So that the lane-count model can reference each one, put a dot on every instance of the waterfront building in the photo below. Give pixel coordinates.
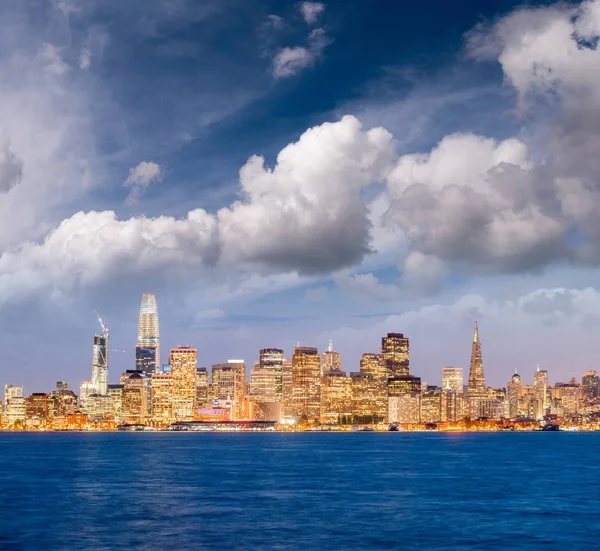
(183, 362)
(263, 385)
(202, 387)
(100, 363)
(99, 407)
(229, 383)
(453, 378)
(375, 365)
(272, 359)
(590, 386)
(116, 399)
(306, 383)
(62, 402)
(405, 409)
(566, 396)
(162, 398)
(336, 397)
(148, 330)
(540, 378)
(431, 405)
(369, 398)
(448, 409)
(330, 360)
(36, 408)
(514, 391)
(286, 389)
(86, 389)
(134, 409)
(476, 386)
(396, 354)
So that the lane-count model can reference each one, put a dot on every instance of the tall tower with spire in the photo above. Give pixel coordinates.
(148, 335)
(476, 386)
(330, 360)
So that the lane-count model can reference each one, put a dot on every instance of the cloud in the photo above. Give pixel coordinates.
(304, 215)
(289, 61)
(311, 11)
(140, 177)
(274, 22)
(316, 294)
(85, 58)
(11, 167)
(472, 201)
(53, 62)
(423, 273)
(366, 286)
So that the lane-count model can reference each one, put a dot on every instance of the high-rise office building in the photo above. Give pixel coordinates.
(162, 398)
(14, 404)
(476, 387)
(405, 409)
(272, 359)
(336, 396)
(540, 382)
(453, 378)
(590, 386)
(148, 329)
(134, 408)
(306, 384)
(375, 365)
(263, 385)
(116, 397)
(369, 398)
(145, 360)
(330, 360)
(286, 389)
(202, 387)
(448, 405)
(183, 362)
(396, 353)
(229, 385)
(100, 363)
(87, 389)
(431, 405)
(514, 391)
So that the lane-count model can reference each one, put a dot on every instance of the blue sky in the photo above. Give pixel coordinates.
(422, 166)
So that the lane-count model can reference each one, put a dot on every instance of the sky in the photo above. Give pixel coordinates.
(281, 173)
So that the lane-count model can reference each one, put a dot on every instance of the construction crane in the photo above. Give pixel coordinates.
(103, 324)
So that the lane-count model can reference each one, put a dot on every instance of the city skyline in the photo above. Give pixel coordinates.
(274, 178)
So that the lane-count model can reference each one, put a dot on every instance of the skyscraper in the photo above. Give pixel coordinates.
(183, 370)
(452, 377)
(330, 360)
(148, 332)
(306, 384)
(100, 363)
(375, 365)
(229, 384)
(514, 390)
(540, 382)
(272, 359)
(395, 351)
(476, 386)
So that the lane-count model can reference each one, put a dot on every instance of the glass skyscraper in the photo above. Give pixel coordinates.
(148, 333)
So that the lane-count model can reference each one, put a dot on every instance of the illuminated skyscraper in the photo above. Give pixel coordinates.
(306, 384)
(148, 331)
(336, 396)
(272, 359)
(453, 378)
(330, 360)
(229, 384)
(395, 351)
(263, 385)
(134, 406)
(286, 388)
(540, 382)
(476, 387)
(100, 363)
(369, 398)
(202, 386)
(375, 365)
(514, 390)
(162, 398)
(183, 370)
(145, 360)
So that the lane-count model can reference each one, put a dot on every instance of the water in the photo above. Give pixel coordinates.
(299, 491)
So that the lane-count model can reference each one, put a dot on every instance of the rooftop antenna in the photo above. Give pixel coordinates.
(330, 346)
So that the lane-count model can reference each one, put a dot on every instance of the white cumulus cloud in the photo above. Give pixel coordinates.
(140, 177)
(311, 11)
